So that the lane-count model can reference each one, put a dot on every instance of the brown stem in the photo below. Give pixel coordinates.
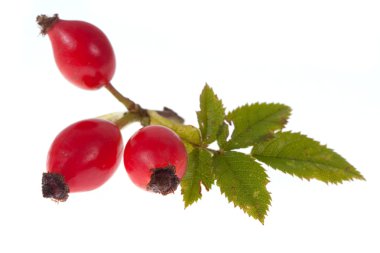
(128, 103)
(139, 113)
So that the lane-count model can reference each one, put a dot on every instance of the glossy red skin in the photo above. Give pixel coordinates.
(150, 148)
(83, 53)
(86, 154)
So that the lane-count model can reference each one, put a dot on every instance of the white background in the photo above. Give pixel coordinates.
(322, 58)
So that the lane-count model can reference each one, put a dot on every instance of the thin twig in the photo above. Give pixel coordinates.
(128, 103)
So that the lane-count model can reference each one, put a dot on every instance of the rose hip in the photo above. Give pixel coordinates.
(82, 51)
(155, 159)
(81, 158)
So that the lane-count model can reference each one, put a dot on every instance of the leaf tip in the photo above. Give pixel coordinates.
(186, 205)
(189, 202)
(360, 177)
(207, 87)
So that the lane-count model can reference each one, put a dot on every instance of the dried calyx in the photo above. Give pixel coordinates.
(163, 180)
(54, 187)
(46, 22)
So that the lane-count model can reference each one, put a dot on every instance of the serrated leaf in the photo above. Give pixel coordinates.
(256, 123)
(243, 181)
(187, 133)
(301, 156)
(211, 116)
(199, 170)
(223, 135)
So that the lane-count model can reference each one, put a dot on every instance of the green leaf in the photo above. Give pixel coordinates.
(243, 181)
(256, 123)
(211, 116)
(187, 133)
(298, 155)
(223, 135)
(199, 170)
(189, 147)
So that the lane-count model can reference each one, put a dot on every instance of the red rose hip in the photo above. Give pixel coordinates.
(155, 159)
(81, 158)
(82, 51)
